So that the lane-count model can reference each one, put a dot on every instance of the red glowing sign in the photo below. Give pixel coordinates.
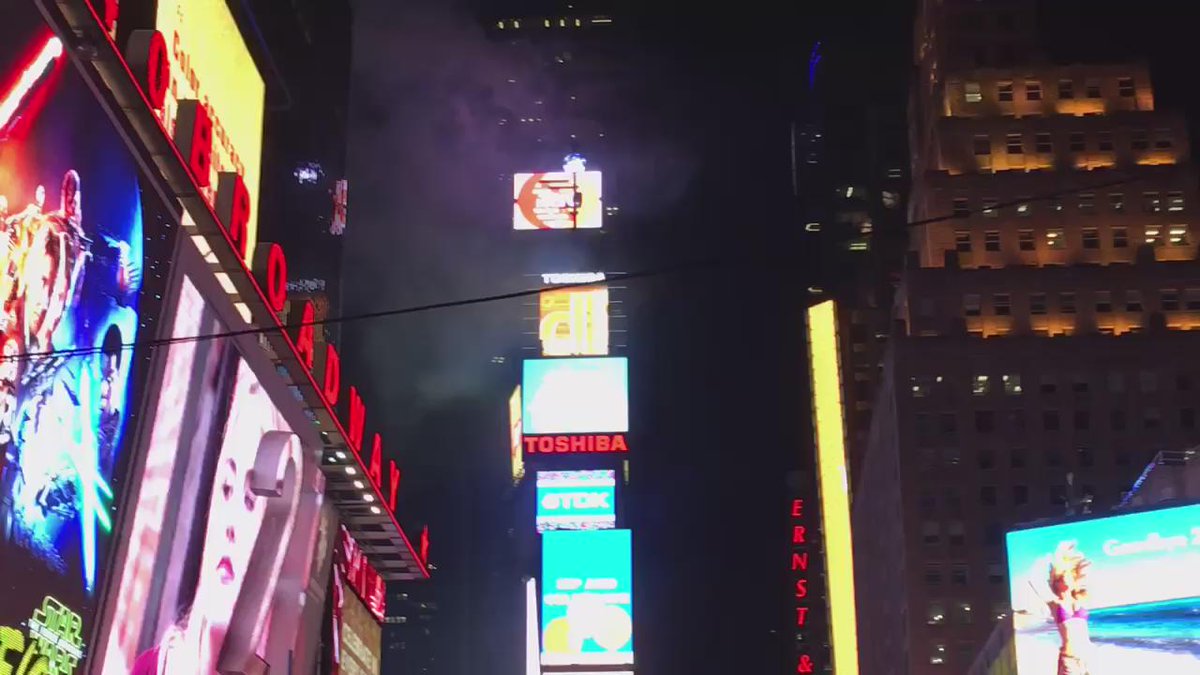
(575, 444)
(360, 575)
(147, 61)
(799, 582)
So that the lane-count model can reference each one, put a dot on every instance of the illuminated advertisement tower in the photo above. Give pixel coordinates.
(568, 434)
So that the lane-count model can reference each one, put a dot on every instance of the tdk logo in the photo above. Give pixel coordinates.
(569, 501)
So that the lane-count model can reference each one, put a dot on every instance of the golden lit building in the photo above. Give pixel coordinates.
(1036, 362)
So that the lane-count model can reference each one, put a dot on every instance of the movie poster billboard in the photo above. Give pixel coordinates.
(224, 507)
(587, 597)
(1108, 595)
(82, 240)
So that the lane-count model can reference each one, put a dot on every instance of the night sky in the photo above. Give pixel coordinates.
(717, 356)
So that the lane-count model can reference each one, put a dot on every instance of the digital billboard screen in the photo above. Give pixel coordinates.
(1119, 594)
(587, 598)
(575, 395)
(557, 200)
(573, 321)
(218, 514)
(576, 500)
(359, 636)
(78, 228)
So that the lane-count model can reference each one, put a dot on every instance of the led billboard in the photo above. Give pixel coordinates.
(587, 598)
(359, 635)
(517, 459)
(576, 500)
(575, 396)
(218, 518)
(78, 228)
(573, 321)
(557, 200)
(1117, 594)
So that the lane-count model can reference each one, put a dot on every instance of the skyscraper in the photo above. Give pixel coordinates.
(1031, 370)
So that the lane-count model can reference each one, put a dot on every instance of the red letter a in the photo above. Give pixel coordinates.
(375, 471)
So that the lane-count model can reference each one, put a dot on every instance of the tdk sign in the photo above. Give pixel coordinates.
(576, 500)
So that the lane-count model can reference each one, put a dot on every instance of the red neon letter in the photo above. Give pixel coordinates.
(798, 534)
(271, 269)
(602, 443)
(530, 445)
(393, 484)
(801, 616)
(578, 443)
(333, 375)
(545, 444)
(804, 664)
(147, 57)
(304, 336)
(233, 208)
(618, 443)
(425, 545)
(797, 508)
(802, 588)
(375, 471)
(194, 138)
(358, 420)
(800, 562)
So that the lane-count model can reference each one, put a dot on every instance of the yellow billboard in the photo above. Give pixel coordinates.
(833, 485)
(573, 321)
(210, 63)
(361, 638)
(514, 435)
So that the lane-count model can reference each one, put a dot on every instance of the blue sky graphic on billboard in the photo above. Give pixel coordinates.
(72, 216)
(587, 597)
(576, 500)
(1108, 595)
(575, 395)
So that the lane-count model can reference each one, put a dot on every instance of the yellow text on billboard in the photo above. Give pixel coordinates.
(573, 321)
(210, 63)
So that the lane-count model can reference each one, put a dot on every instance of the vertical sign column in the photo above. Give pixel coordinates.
(799, 580)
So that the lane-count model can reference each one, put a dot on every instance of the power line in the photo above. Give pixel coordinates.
(415, 309)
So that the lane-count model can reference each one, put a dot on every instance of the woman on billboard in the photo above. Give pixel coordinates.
(1068, 607)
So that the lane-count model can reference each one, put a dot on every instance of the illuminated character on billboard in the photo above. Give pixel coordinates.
(66, 293)
(1067, 602)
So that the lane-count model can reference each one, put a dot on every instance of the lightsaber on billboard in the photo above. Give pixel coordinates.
(34, 73)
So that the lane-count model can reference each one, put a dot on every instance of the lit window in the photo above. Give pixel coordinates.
(962, 241)
(1174, 201)
(972, 305)
(920, 388)
(1000, 611)
(990, 208)
(1104, 141)
(1087, 202)
(1014, 144)
(1077, 142)
(1025, 240)
(1037, 307)
(937, 655)
(972, 93)
(982, 145)
(1162, 139)
(1012, 381)
(1043, 143)
(1133, 301)
(1093, 89)
(1002, 304)
(1091, 238)
(1151, 203)
(1066, 89)
(1169, 298)
(1066, 302)
(1139, 140)
(1120, 237)
(1024, 207)
(1116, 200)
(1154, 235)
(936, 615)
(1103, 302)
(961, 207)
(1033, 90)
(980, 385)
(1055, 240)
(1125, 86)
(962, 615)
(1177, 235)
(1004, 91)
(991, 241)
